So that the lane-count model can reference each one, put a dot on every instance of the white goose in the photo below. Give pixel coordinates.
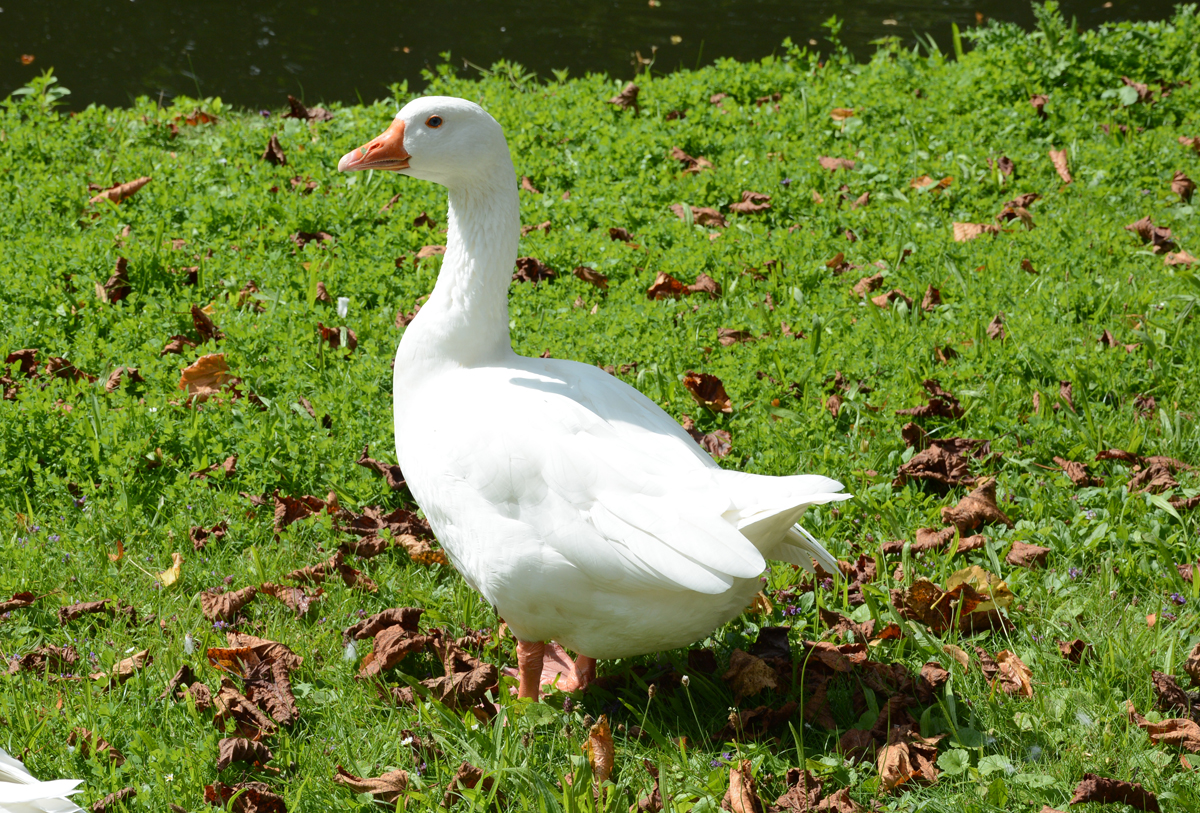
(21, 792)
(575, 505)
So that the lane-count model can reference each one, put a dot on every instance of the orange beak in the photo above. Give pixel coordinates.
(385, 152)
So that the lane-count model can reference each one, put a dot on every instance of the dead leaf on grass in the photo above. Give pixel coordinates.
(111, 799)
(627, 98)
(207, 376)
(251, 797)
(89, 743)
(172, 574)
(1078, 473)
(751, 203)
(298, 600)
(907, 757)
(273, 154)
(942, 404)
(1183, 186)
(594, 277)
(467, 776)
(1015, 677)
(691, 165)
(977, 509)
(390, 472)
(1074, 651)
(748, 675)
(1158, 237)
(969, 231)
(702, 215)
(894, 295)
(1093, 788)
(297, 110)
(1023, 554)
(834, 164)
(117, 287)
(119, 192)
(1059, 159)
(240, 749)
(225, 606)
(250, 721)
(600, 750)
(743, 790)
(867, 284)
(708, 391)
(386, 787)
(531, 269)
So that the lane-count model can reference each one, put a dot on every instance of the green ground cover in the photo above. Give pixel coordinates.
(1099, 351)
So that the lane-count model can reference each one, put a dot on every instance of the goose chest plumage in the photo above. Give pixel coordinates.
(574, 504)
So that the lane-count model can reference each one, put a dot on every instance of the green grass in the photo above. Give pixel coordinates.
(75, 479)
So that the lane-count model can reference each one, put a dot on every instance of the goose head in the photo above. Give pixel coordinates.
(449, 141)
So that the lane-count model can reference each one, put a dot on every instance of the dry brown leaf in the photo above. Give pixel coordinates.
(240, 749)
(47, 659)
(1093, 788)
(1039, 101)
(298, 600)
(834, 164)
(894, 295)
(126, 668)
(392, 644)
(390, 472)
(119, 192)
(467, 776)
(1183, 186)
(702, 215)
(207, 376)
(250, 721)
(531, 269)
(690, 165)
(995, 328)
(117, 287)
(594, 277)
(969, 231)
(90, 743)
(748, 675)
(273, 154)
(225, 606)
(600, 750)
(1192, 665)
(868, 284)
(333, 336)
(1158, 237)
(251, 797)
(1015, 677)
(651, 803)
(942, 404)
(626, 98)
(111, 799)
(977, 509)
(907, 757)
(751, 203)
(18, 601)
(386, 787)
(1022, 554)
(1078, 473)
(1179, 258)
(1074, 651)
(708, 391)
(931, 299)
(743, 790)
(1059, 158)
(297, 110)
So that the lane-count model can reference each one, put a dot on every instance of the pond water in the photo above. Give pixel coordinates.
(252, 54)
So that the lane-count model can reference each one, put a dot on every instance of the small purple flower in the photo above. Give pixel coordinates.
(716, 763)
(53, 537)
(791, 610)
(36, 528)
(1090, 514)
(79, 503)
(870, 537)
(726, 755)
(1074, 573)
(786, 182)
(362, 613)
(827, 583)
(1178, 599)
(1168, 616)
(266, 114)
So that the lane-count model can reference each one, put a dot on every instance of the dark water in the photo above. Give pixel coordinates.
(251, 54)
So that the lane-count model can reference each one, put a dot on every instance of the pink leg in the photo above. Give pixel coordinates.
(529, 666)
(585, 671)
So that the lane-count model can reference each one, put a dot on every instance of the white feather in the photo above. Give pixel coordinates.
(21, 792)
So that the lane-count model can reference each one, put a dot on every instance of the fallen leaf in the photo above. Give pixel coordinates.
(727, 337)
(171, 575)
(250, 721)
(600, 750)
(743, 790)
(1183, 186)
(652, 802)
(751, 203)
(1039, 101)
(927, 184)
(125, 668)
(386, 787)
(90, 743)
(708, 391)
(931, 299)
(1170, 698)
(1059, 159)
(701, 215)
(1192, 665)
(298, 600)
(225, 606)
(748, 675)
(119, 192)
(1074, 651)
(425, 252)
(333, 336)
(207, 376)
(627, 98)
(531, 269)
(111, 799)
(466, 680)
(942, 404)
(240, 749)
(937, 464)
(297, 110)
(1004, 165)
(977, 509)
(841, 113)
(1078, 473)
(467, 776)
(130, 375)
(391, 645)
(596, 278)
(995, 328)
(969, 231)
(117, 287)
(717, 443)
(1015, 677)
(47, 659)
(1093, 788)
(834, 164)
(1023, 554)
(907, 757)
(868, 284)
(425, 220)
(1027, 267)
(894, 295)
(390, 472)
(273, 154)
(177, 344)
(690, 165)
(1159, 237)
(303, 238)
(18, 601)
(1179, 258)
(251, 797)
(527, 185)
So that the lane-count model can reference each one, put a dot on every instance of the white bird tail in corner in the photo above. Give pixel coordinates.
(21, 792)
(769, 509)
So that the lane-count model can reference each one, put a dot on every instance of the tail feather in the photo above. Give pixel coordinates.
(21, 792)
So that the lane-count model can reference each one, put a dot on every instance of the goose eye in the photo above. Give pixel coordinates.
(434, 122)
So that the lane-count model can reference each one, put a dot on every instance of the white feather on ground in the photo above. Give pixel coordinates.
(21, 792)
